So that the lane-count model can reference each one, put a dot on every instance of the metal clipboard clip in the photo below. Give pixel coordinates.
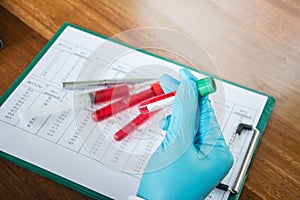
(236, 188)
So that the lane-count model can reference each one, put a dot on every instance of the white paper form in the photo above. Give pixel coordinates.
(70, 144)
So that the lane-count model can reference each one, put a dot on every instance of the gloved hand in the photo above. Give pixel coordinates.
(193, 158)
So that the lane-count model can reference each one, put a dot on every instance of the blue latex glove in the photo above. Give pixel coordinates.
(193, 158)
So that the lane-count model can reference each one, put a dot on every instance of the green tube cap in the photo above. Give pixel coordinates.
(206, 86)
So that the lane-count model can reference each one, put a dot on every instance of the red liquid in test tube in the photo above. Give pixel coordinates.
(131, 126)
(108, 94)
(127, 102)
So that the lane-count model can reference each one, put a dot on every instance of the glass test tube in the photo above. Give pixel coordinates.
(131, 126)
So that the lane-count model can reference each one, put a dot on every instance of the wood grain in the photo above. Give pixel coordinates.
(254, 43)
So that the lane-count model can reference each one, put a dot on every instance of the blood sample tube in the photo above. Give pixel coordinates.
(131, 126)
(126, 102)
(205, 86)
(101, 96)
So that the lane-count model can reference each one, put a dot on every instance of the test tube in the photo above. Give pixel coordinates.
(126, 102)
(205, 86)
(157, 103)
(131, 126)
(107, 94)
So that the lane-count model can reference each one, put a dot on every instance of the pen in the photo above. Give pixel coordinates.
(131, 126)
(205, 86)
(126, 102)
(86, 84)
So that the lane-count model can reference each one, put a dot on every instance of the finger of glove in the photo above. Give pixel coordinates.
(209, 134)
(168, 83)
(185, 74)
(164, 123)
(211, 143)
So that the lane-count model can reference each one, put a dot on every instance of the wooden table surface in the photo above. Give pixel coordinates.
(254, 43)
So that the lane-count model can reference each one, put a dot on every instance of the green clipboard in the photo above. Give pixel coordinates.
(84, 190)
